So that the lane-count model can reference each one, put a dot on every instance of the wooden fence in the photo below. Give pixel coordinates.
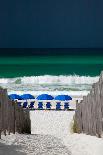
(12, 118)
(89, 112)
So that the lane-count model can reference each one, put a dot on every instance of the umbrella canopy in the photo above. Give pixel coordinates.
(45, 97)
(27, 96)
(14, 97)
(63, 98)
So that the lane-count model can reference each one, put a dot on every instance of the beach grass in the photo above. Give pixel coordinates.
(74, 127)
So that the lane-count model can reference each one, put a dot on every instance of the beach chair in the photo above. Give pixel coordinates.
(48, 105)
(40, 105)
(19, 104)
(66, 106)
(25, 105)
(58, 106)
(31, 106)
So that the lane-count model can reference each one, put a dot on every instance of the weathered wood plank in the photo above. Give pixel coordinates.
(89, 113)
(12, 117)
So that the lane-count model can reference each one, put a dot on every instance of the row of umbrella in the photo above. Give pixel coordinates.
(40, 97)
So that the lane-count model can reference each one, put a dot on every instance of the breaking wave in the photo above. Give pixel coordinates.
(71, 84)
(48, 79)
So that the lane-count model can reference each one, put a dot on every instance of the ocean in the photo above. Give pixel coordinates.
(53, 74)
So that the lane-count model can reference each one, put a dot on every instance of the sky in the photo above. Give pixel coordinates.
(51, 24)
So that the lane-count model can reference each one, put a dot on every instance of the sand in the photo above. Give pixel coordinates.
(51, 135)
(10, 150)
(34, 145)
(56, 123)
(81, 144)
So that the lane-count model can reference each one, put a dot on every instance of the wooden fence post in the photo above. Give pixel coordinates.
(12, 117)
(89, 113)
(0, 121)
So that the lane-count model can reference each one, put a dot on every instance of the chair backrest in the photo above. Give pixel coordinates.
(66, 105)
(19, 104)
(58, 105)
(25, 105)
(48, 105)
(40, 105)
(31, 105)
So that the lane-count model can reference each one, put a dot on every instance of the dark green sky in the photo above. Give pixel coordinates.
(51, 24)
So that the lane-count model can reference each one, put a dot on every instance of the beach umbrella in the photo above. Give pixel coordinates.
(14, 97)
(45, 97)
(63, 97)
(27, 96)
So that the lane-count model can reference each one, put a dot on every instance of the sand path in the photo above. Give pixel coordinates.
(9, 150)
(33, 145)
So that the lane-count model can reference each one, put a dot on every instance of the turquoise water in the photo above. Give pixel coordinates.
(88, 65)
(63, 74)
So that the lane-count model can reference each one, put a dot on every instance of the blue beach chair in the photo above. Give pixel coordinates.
(19, 104)
(31, 106)
(58, 106)
(40, 105)
(66, 106)
(48, 105)
(25, 105)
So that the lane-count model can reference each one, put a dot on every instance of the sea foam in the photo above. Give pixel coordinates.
(49, 79)
(54, 85)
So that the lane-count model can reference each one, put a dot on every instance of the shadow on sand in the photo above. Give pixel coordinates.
(10, 150)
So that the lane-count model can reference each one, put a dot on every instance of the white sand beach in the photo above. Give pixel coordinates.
(54, 137)
(35, 145)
